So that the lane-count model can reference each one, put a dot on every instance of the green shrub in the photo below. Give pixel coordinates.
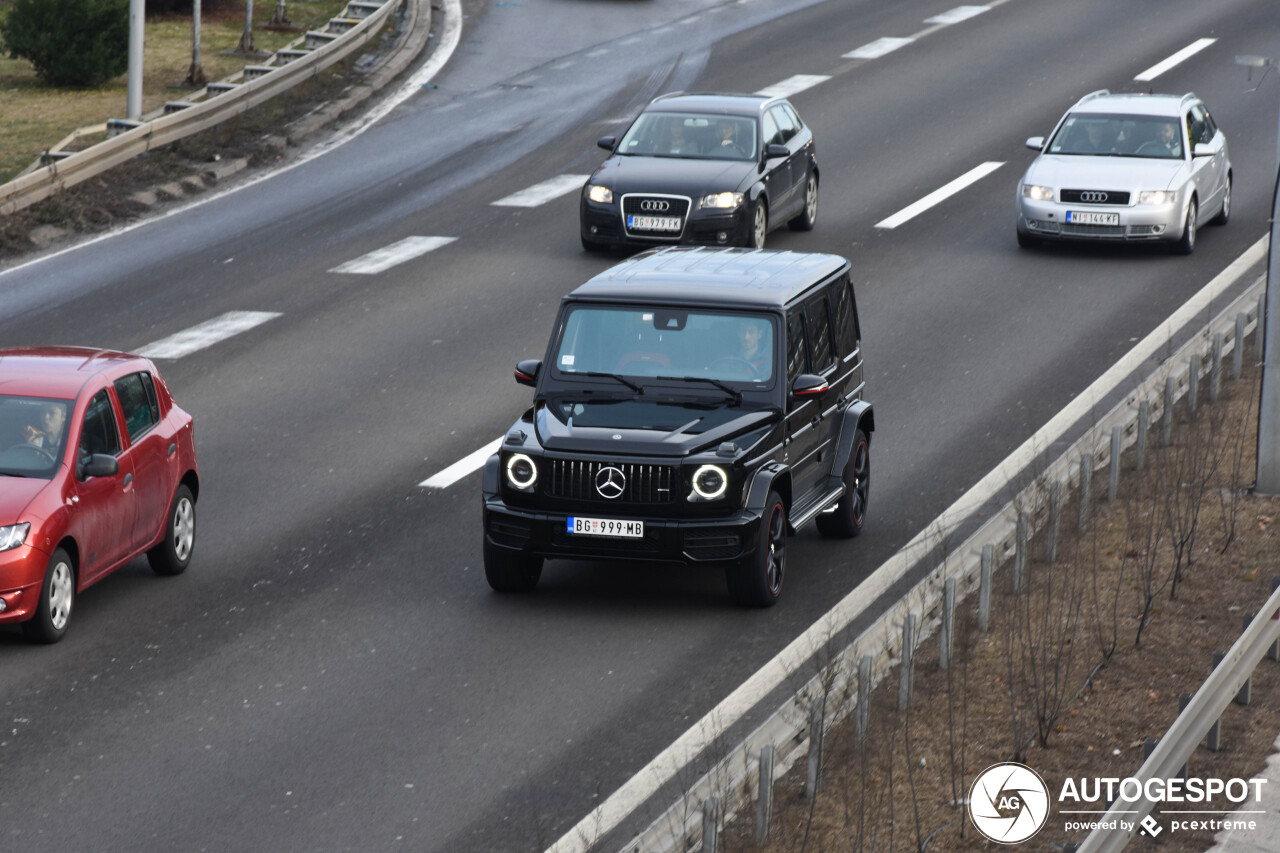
(70, 42)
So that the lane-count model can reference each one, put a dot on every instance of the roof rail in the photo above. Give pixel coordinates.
(1092, 95)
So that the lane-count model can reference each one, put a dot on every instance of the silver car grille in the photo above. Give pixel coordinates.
(1114, 197)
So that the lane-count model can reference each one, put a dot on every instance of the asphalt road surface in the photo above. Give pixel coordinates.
(333, 672)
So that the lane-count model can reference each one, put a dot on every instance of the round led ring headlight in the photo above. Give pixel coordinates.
(522, 473)
(710, 482)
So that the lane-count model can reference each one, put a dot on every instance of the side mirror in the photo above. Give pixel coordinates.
(97, 465)
(527, 371)
(1202, 149)
(774, 151)
(808, 385)
(1035, 143)
(607, 142)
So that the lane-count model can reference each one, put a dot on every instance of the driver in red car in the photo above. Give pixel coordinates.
(48, 435)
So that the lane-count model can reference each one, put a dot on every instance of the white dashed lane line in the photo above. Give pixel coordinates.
(878, 48)
(1181, 56)
(393, 255)
(939, 195)
(956, 15)
(206, 334)
(461, 468)
(543, 192)
(792, 85)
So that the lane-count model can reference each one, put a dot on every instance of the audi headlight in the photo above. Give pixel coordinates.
(602, 195)
(522, 473)
(721, 201)
(709, 483)
(1037, 193)
(13, 535)
(1156, 197)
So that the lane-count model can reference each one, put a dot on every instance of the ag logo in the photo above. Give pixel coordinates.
(1009, 802)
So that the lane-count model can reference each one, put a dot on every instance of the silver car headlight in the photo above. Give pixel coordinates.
(522, 473)
(1156, 197)
(721, 201)
(13, 535)
(1037, 193)
(710, 482)
(602, 195)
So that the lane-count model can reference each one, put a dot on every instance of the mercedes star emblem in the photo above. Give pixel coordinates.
(610, 482)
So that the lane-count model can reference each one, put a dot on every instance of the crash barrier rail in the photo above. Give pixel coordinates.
(796, 729)
(58, 169)
(1168, 760)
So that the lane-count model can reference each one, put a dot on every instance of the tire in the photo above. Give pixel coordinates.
(509, 571)
(757, 580)
(57, 599)
(851, 511)
(1187, 244)
(759, 225)
(1224, 215)
(173, 554)
(809, 216)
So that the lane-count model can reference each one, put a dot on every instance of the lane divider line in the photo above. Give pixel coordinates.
(206, 334)
(1181, 56)
(792, 85)
(878, 48)
(395, 254)
(544, 192)
(464, 466)
(956, 15)
(939, 195)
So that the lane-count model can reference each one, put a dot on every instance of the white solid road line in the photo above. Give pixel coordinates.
(206, 334)
(461, 468)
(393, 255)
(543, 192)
(1186, 53)
(878, 48)
(939, 195)
(956, 15)
(792, 85)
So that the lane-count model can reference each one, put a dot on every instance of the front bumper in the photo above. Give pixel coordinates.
(603, 224)
(21, 576)
(687, 542)
(1048, 219)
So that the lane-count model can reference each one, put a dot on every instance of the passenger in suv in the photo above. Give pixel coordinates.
(653, 438)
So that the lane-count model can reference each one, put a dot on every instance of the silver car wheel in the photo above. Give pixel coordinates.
(184, 528)
(61, 592)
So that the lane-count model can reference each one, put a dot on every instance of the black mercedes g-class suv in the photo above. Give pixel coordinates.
(694, 406)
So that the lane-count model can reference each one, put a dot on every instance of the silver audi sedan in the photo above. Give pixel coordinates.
(1127, 167)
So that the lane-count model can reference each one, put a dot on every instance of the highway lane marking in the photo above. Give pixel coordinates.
(1186, 53)
(956, 15)
(878, 48)
(464, 466)
(939, 195)
(543, 192)
(206, 334)
(393, 255)
(792, 85)
(709, 730)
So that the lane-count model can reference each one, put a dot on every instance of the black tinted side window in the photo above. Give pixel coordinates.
(797, 354)
(819, 328)
(99, 434)
(786, 129)
(140, 410)
(846, 318)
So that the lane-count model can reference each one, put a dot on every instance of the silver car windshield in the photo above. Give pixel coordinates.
(707, 137)
(1100, 135)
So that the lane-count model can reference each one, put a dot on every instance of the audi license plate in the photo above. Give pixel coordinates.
(1076, 217)
(653, 223)
(606, 527)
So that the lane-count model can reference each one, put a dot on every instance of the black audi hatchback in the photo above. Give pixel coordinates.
(710, 169)
(695, 406)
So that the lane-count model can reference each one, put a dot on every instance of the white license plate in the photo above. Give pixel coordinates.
(1077, 217)
(653, 223)
(606, 527)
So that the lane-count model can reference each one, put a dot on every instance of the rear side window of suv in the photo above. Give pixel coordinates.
(819, 327)
(846, 319)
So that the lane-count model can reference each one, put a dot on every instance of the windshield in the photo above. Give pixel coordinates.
(671, 343)
(1102, 135)
(33, 432)
(708, 137)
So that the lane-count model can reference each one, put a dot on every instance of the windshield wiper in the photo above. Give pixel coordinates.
(728, 389)
(639, 389)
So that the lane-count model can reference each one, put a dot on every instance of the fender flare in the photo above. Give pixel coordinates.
(763, 481)
(859, 416)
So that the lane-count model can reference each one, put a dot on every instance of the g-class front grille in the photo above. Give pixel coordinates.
(623, 483)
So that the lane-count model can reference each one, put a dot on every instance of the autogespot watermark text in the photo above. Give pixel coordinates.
(1130, 790)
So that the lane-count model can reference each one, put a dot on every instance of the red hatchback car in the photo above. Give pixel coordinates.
(97, 466)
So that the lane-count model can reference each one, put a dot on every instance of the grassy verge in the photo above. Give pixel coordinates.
(35, 116)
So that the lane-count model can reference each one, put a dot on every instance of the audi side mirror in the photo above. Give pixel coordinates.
(1202, 149)
(606, 142)
(1035, 143)
(772, 152)
(527, 371)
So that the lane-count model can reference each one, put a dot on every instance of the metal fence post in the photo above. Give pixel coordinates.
(710, 824)
(864, 698)
(1113, 479)
(947, 638)
(813, 781)
(1215, 370)
(1193, 384)
(764, 804)
(908, 660)
(984, 588)
(1144, 423)
(1237, 354)
(1055, 517)
(1086, 477)
(1020, 550)
(1166, 423)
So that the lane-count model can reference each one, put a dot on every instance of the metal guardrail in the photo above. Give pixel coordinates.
(73, 168)
(730, 781)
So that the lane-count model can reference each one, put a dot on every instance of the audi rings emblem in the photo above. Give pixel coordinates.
(610, 482)
(1095, 197)
(655, 205)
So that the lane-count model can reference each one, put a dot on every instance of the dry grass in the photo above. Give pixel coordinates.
(35, 117)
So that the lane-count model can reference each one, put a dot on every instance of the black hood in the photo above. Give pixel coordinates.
(623, 427)
(676, 175)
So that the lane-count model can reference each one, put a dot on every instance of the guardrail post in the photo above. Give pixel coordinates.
(1214, 740)
(1055, 517)
(1166, 422)
(1215, 371)
(1258, 342)
(764, 805)
(1246, 689)
(1184, 699)
(908, 660)
(1086, 477)
(710, 824)
(863, 717)
(984, 588)
(1273, 653)
(1148, 747)
(947, 637)
(813, 780)
(1113, 479)
(1193, 384)
(1237, 353)
(1144, 423)
(1020, 545)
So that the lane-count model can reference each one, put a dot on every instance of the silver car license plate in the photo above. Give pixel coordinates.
(1078, 217)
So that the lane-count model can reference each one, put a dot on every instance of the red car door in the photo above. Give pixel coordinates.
(149, 454)
(105, 506)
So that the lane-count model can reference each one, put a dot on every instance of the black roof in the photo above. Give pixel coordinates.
(711, 102)
(698, 276)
